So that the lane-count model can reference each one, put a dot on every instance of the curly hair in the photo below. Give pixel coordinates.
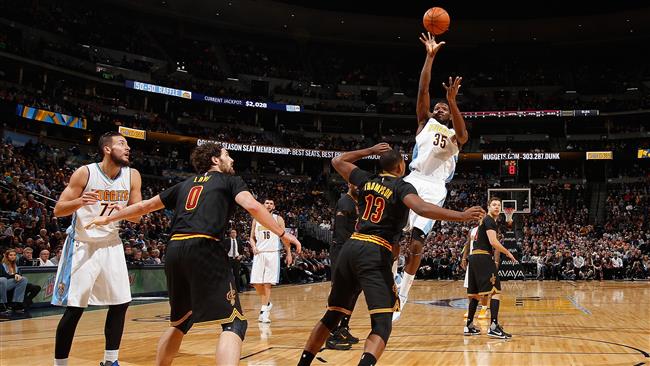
(201, 157)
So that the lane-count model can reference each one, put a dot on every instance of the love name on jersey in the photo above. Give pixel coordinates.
(376, 187)
(113, 195)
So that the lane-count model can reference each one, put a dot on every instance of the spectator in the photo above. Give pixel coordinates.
(27, 259)
(44, 258)
(10, 279)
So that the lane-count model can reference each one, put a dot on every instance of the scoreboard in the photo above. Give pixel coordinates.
(509, 168)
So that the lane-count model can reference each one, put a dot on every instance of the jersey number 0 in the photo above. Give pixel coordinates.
(193, 198)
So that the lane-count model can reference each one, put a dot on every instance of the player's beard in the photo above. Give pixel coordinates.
(121, 162)
(227, 169)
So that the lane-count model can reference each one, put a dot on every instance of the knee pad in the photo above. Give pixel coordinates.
(237, 326)
(185, 325)
(331, 319)
(382, 325)
(417, 241)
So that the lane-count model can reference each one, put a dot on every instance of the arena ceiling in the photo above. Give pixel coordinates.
(380, 22)
(500, 9)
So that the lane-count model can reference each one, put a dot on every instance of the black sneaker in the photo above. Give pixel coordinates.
(4, 310)
(335, 342)
(498, 332)
(471, 330)
(344, 334)
(18, 308)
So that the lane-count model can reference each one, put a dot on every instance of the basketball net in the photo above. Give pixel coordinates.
(509, 212)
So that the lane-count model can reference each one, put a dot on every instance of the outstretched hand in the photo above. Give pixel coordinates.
(452, 88)
(290, 239)
(430, 44)
(473, 213)
(97, 221)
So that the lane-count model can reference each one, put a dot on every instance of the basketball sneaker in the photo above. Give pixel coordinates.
(402, 303)
(262, 311)
(109, 363)
(471, 330)
(337, 343)
(496, 331)
(266, 315)
(344, 333)
(483, 313)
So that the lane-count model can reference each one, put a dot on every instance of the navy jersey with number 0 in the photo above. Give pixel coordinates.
(203, 203)
(382, 211)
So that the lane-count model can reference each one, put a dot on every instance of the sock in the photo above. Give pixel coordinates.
(494, 310)
(345, 322)
(471, 310)
(306, 358)
(407, 281)
(61, 362)
(367, 359)
(395, 268)
(111, 355)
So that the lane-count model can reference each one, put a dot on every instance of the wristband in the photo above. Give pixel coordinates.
(281, 235)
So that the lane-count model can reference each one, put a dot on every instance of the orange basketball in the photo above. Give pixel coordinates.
(436, 21)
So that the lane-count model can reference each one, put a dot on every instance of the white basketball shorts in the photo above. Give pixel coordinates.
(266, 268)
(91, 274)
(429, 191)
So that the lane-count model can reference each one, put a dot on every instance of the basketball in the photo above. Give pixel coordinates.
(436, 21)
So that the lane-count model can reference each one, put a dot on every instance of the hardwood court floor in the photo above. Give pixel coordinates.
(553, 323)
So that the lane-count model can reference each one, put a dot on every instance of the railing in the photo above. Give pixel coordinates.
(314, 230)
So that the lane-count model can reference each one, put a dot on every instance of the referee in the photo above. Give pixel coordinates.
(344, 224)
(199, 281)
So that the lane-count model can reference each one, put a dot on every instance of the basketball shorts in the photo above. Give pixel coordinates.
(266, 268)
(483, 277)
(91, 274)
(200, 283)
(335, 249)
(365, 266)
(431, 192)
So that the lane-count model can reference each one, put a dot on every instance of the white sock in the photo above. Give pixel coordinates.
(407, 281)
(61, 362)
(263, 308)
(395, 268)
(111, 355)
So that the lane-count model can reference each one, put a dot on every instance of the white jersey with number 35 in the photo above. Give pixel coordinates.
(434, 154)
(116, 190)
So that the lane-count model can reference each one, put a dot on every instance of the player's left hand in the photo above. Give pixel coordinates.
(289, 259)
(97, 221)
(452, 88)
(380, 148)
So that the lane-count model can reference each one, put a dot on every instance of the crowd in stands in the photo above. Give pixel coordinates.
(317, 70)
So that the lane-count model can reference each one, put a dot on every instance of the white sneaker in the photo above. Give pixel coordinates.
(262, 312)
(266, 315)
(402, 303)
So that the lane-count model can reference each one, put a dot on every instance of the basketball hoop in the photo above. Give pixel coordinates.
(509, 211)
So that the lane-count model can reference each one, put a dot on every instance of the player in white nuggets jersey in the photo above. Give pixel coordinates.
(266, 261)
(434, 159)
(93, 269)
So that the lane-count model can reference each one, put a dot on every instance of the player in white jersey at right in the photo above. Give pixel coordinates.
(93, 269)
(464, 264)
(266, 261)
(434, 160)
